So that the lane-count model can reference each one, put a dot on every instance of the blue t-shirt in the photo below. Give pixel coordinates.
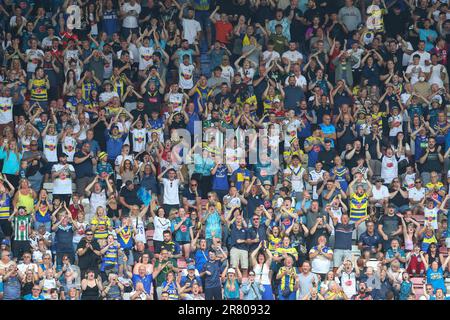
(220, 180)
(436, 279)
(146, 281)
(30, 297)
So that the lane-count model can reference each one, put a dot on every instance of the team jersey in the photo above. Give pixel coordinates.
(50, 147)
(145, 57)
(186, 73)
(22, 227)
(5, 206)
(39, 90)
(101, 232)
(6, 110)
(125, 237)
(68, 146)
(358, 206)
(110, 257)
(139, 139)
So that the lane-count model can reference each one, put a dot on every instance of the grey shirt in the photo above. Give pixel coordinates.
(306, 283)
(351, 17)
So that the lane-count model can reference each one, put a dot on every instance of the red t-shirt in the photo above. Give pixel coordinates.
(223, 29)
(74, 211)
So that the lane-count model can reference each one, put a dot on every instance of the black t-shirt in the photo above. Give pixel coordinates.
(390, 223)
(99, 133)
(327, 159)
(138, 254)
(348, 136)
(152, 101)
(130, 197)
(352, 163)
(398, 199)
(85, 168)
(89, 260)
(136, 113)
(311, 13)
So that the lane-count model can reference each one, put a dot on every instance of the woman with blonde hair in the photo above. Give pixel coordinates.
(231, 278)
(25, 196)
(11, 156)
(101, 224)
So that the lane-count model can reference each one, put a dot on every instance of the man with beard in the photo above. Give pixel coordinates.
(362, 293)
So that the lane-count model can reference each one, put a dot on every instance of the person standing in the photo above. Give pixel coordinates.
(212, 270)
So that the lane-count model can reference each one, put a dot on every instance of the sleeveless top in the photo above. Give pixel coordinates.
(27, 201)
(262, 274)
(91, 293)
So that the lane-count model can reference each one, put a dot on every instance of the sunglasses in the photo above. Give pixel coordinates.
(89, 234)
(418, 181)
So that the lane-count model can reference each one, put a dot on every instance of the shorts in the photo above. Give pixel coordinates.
(340, 255)
(239, 257)
(182, 243)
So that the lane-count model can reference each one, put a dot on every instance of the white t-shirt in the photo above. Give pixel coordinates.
(171, 190)
(145, 57)
(397, 124)
(431, 216)
(119, 161)
(379, 194)
(34, 56)
(316, 176)
(293, 56)
(296, 175)
(139, 139)
(416, 195)
(131, 21)
(190, 29)
(186, 73)
(300, 81)
(435, 77)
(6, 110)
(269, 56)
(63, 183)
(106, 96)
(139, 226)
(320, 264)
(389, 168)
(68, 146)
(423, 57)
(50, 147)
(161, 225)
(414, 71)
(227, 72)
(348, 283)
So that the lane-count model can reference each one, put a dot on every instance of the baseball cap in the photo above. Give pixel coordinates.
(191, 267)
(267, 183)
(231, 270)
(6, 242)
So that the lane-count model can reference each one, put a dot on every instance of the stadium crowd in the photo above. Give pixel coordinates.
(102, 196)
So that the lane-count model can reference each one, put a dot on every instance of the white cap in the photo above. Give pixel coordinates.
(231, 270)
